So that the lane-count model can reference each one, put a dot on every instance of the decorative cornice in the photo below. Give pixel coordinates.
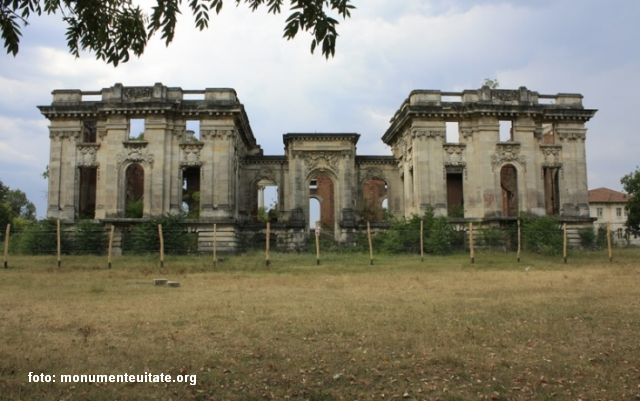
(60, 135)
(217, 133)
(426, 134)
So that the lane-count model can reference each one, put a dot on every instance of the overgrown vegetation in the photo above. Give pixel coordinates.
(89, 238)
(134, 209)
(542, 235)
(144, 237)
(40, 238)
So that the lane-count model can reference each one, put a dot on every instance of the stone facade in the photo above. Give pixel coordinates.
(98, 168)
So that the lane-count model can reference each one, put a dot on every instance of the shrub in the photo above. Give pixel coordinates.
(40, 238)
(90, 238)
(542, 235)
(587, 237)
(491, 236)
(144, 237)
(440, 237)
(134, 209)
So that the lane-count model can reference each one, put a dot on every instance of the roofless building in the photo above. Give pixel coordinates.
(123, 154)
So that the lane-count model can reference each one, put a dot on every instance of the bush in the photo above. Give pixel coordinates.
(440, 237)
(492, 237)
(587, 237)
(40, 238)
(144, 237)
(542, 235)
(134, 209)
(90, 238)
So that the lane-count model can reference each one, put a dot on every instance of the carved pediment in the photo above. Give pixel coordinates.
(135, 151)
(508, 153)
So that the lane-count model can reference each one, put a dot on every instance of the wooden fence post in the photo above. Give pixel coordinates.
(422, 240)
(110, 246)
(564, 250)
(6, 247)
(266, 253)
(215, 245)
(58, 239)
(519, 239)
(161, 245)
(609, 241)
(370, 245)
(471, 250)
(317, 243)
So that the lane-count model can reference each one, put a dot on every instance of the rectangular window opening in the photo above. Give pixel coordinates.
(89, 132)
(136, 129)
(506, 131)
(191, 192)
(455, 195)
(193, 130)
(453, 132)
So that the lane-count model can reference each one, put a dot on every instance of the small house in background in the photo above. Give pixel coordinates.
(609, 206)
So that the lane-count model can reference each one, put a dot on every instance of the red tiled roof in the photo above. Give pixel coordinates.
(606, 195)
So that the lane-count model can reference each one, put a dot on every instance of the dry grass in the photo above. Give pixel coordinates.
(443, 329)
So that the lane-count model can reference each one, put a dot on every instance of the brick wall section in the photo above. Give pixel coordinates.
(374, 192)
(325, 191)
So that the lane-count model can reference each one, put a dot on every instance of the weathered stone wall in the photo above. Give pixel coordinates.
(97, 165)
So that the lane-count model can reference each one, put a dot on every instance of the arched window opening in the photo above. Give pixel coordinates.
(191, 191)
(509, 185)
(134, 191)
(551, 190)
(321, 187)
(267, 201)
(374, 191)
(314, 212)
(87, 192)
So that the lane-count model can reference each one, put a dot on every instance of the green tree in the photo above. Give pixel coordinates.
(113, 29)
(14, 205)
(631, 185)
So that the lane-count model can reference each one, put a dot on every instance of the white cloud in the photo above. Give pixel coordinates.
(386, 49)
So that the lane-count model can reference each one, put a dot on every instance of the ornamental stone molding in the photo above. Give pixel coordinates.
(454, 155)
(508, 153)
(551, 155)
(572, 136)
(58, 136)
(265, 174)
(467, 134)
(321, 160)
(426, 134)
(505, 95)
(137, 92)
(135, 151)
(191, 152)
(86, 155)
(373, 173)
(217, 133)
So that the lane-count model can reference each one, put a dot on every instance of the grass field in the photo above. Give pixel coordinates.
(444, 329)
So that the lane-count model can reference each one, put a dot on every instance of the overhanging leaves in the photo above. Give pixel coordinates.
(113, 29)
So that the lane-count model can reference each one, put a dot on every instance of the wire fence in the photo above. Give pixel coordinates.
(47, 237)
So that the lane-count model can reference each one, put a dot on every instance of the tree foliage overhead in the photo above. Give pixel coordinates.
(115, 29)
(631, 185)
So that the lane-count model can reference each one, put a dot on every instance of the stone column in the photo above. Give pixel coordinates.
(574, 202)
(110, 193)
(530, 185)
(428, 163)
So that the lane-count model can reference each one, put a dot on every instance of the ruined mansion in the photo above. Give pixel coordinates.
(512, 151)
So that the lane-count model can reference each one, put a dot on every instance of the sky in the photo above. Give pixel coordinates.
(385, 50)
